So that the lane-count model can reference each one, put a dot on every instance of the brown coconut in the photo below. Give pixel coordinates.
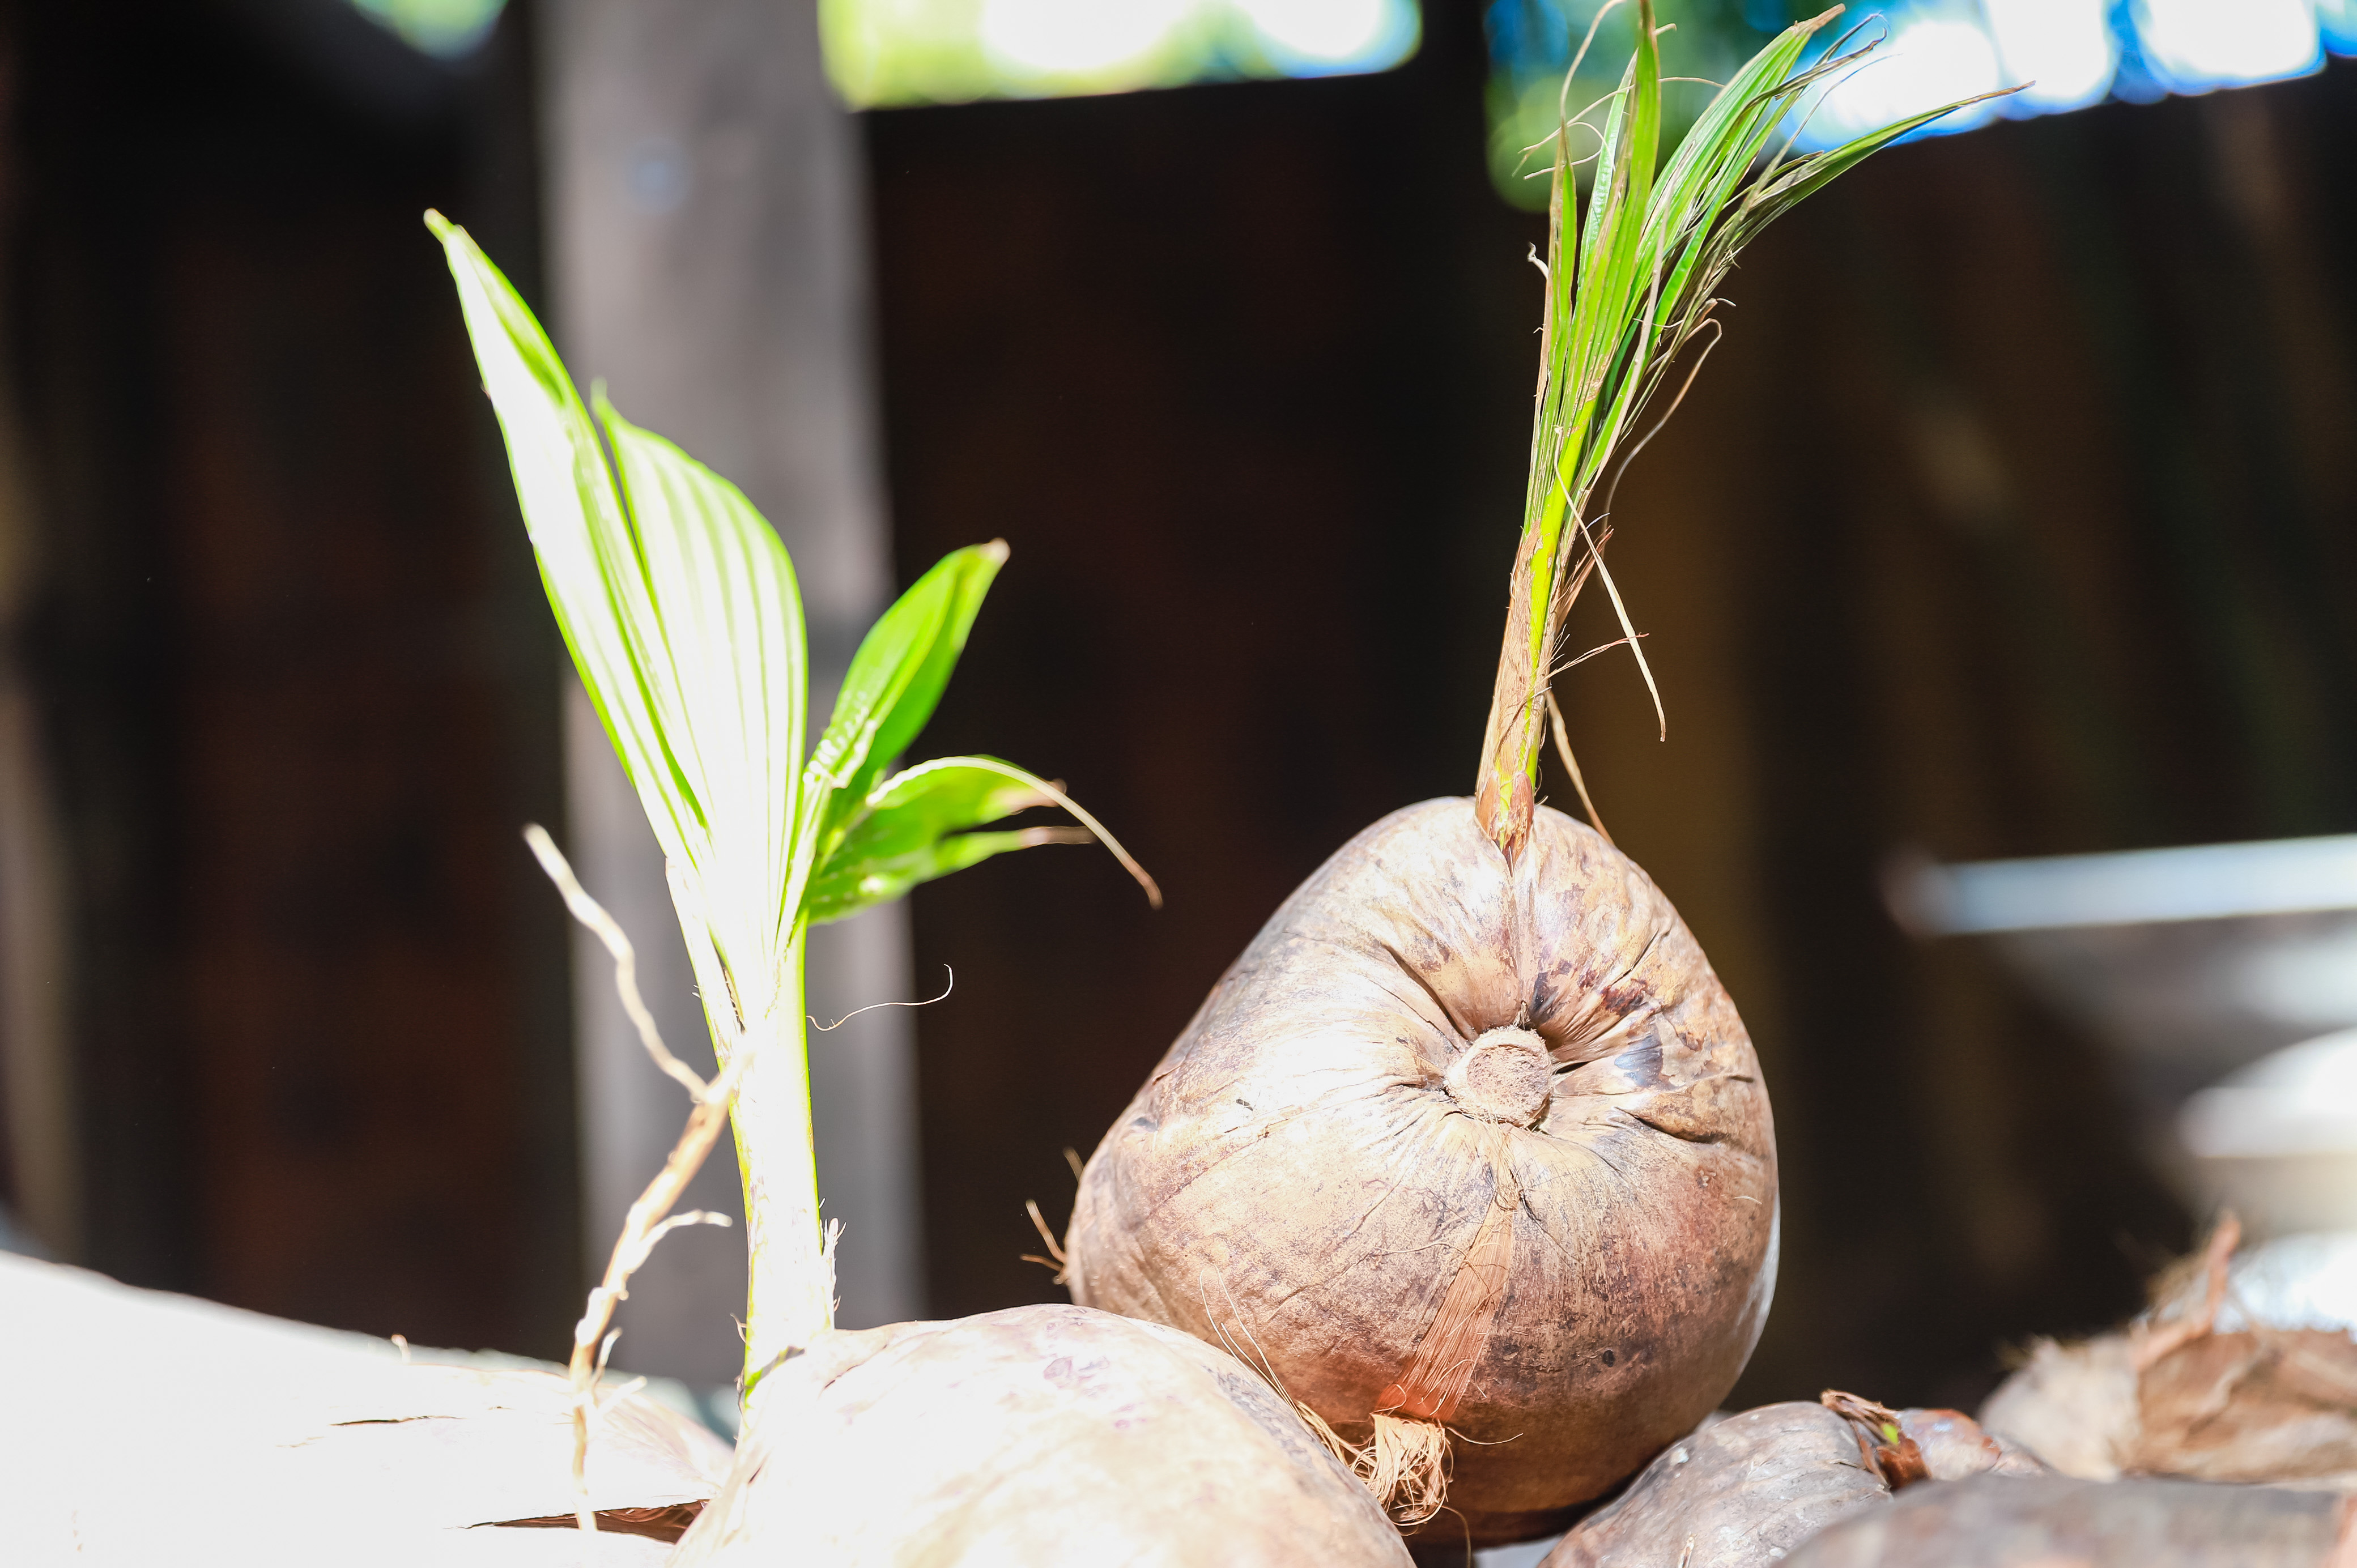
(1745, 1490)
(1041, 1436)
(1739, 1492)
(1475, 1159)
(1994, 1521)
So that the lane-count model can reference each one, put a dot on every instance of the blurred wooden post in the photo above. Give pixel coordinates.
(707, 259)
(39, 1112)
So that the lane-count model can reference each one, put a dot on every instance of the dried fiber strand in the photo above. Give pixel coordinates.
(649, 1218)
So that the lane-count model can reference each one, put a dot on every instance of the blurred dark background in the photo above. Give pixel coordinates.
(293, 689)
(2014, 517)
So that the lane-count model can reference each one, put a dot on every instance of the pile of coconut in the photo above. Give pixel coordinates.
(1447, 1223)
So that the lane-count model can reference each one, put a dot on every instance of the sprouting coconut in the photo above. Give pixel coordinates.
(1470, 1141)
(1462, 1149)
(1042, 1436)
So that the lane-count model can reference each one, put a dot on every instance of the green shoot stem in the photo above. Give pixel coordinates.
(790, 1288)
(1629, 285)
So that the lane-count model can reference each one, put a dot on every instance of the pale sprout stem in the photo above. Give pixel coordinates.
(650, 1218)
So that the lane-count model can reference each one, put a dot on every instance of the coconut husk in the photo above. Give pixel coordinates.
(2074, 1406)
(2273, 1405)
(2176, 1395)
(147, 1430)
(1996, 1521)
(1043, 1436)
(1481, 1150)
(1745, 1490)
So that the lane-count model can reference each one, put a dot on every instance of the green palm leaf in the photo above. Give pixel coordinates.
(897, 677)
(913, 828)
(1628, 289)
(680, 607)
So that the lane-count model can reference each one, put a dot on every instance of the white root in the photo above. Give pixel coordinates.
(650, 1218)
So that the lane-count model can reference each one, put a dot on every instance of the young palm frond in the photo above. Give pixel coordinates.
(1628, 288)
(680, 607)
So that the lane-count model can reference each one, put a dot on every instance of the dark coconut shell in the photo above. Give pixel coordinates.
(1741, 1493)
(1954, 1445)
(1302, 1178)
(2001, 1521)
(1744, 1491)
(1040, 1437)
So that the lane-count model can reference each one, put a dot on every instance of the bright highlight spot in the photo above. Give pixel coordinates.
(2194, 45)
(2299, 1101)
(1336, 31)
(2337, 21)
(2045, 56)
(2137, 886)
(2295, 1282)
(2064, 48)
(1929, 61)
(1066, 38)
(447, 29)
(882, 52)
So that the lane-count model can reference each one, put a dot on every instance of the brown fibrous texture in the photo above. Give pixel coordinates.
(1042, 1435)
(1565, 1293)
(2175, 1395)
(2276, 1405)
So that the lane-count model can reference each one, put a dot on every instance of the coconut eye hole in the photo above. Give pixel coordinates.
(1502, 1076)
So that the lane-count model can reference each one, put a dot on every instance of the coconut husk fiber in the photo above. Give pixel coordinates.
(1743, 1491)
(1462, 1150)
(1996, 1521)
(145, 1429)
(1037, 1437)
(2175, 1394)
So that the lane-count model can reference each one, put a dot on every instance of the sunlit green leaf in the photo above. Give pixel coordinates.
(1631, 283)
(897, 678)
(680, 607)
(730, 688)
(912, 828)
